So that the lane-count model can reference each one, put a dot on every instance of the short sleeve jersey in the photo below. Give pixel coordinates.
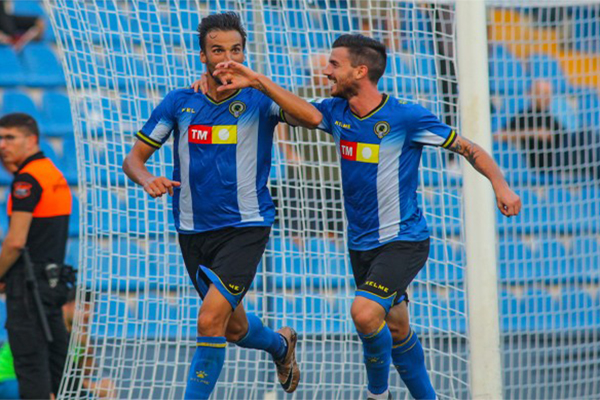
(222, 157)
(380, 155)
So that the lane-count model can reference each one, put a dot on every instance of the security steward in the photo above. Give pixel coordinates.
(31, 260)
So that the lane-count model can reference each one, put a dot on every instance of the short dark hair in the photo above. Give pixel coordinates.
(22, 121)
(227, 21)
(365, 51)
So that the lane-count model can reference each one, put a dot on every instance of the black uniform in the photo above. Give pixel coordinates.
(40, 188)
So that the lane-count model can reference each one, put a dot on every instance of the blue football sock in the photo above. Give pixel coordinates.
(377, 348)
(263, 338)
(205, 367)
(409, 360)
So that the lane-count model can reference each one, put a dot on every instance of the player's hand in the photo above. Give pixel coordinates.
(201, 84)
(234, 75)
(156, 186)
(508, 202)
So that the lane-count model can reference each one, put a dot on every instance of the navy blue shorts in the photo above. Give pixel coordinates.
(227, 258)
(384, 273)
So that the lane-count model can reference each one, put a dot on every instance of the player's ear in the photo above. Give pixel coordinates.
(361, 72)
(203, 59)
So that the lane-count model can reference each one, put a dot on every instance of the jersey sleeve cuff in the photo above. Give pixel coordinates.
(451, 138)
(148, 141)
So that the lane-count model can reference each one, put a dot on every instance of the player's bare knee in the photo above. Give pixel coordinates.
(365, 320)
(236, 330)
(211, 324)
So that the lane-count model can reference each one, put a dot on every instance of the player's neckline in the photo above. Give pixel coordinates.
(379, 107)
(225, 99)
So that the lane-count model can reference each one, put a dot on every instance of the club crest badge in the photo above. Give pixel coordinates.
(381, 129)
(237, 108)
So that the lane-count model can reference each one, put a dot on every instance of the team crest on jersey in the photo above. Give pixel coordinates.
(237, 108)
(381, 129)
(22, 190)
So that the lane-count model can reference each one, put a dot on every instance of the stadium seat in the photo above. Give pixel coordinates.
(312, 308)
(510, 317)
(589, 108)
(5, 177)
(576, 310)
(585, 28)
(110, 316)
(425, 310)
(72, 256)
(74, 220)
(28, 8)
(551, 262)
(540, 310)
(11, 69)
(284, 264)
(156, 317)
(585, 253)
(41, 66)
(56, 111)
(507, 74)
(17, 101)
(3, 333)
(546, 67)
(327, 267)
(68, 161)
(49, 152)
(3, 218)
(515, 262)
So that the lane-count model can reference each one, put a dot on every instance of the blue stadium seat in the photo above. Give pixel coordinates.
(585, 253)
(72, 256)
(109, 319)
(41, 66)
(586, 28)
(577, 310)
(515, 262)
(56, 112)
(3, 217)
(157, 318)
(510, 317)
(49, 152)
(68, 161)
(303, 313)
(74, 220)
(3, 333)
(284, 264)
(17, 101)
(11, 69)
(425, 310)
(5, 177)
(540, 310)
(507, 74)
(28, 8)
(546, 67)
(327, 267)
(589, 108)
(551, 262)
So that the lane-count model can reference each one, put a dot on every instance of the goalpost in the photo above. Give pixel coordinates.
(122, 57)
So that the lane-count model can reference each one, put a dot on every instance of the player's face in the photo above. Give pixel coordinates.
(222, 46)
(341, 74)
(15, 146)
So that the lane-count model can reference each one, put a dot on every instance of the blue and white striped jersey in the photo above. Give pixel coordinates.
(222, 157)
(380, 155)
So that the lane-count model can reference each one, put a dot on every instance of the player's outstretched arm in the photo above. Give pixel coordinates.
(134, 167)
(508, 201)
(236, 76)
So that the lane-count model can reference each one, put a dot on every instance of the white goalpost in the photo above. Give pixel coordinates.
(122, 57)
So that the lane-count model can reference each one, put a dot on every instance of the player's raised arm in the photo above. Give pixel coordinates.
(237, 76)
(134, 167)
(508, 201)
